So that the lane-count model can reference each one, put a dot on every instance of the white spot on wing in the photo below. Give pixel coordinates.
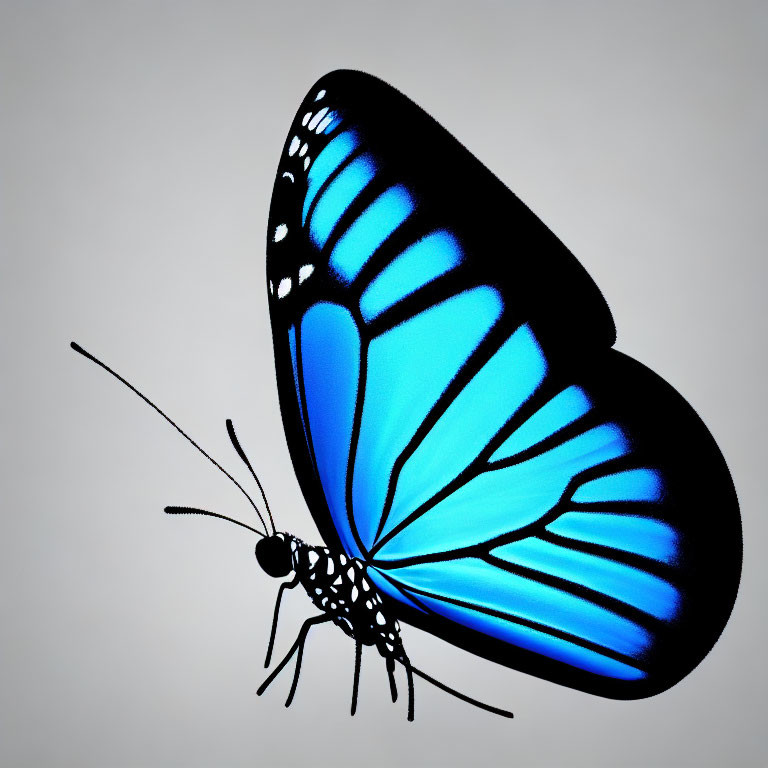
(313, 557)
(306, 162)
(324, 123)
(354, 594)
(317, 118)
(330, 567)
(380, 618)
(271, 288)
(305, 272)
(284, 288)
(294, 146)
(305, 119)
(303, 150)
(351, 573)
(320, 95)
(288, 175)
(281, 230)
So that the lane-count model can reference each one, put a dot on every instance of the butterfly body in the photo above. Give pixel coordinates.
(340, 588)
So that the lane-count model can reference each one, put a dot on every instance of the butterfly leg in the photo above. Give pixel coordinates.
(308, 624)
(285, 585)
(409, 674)
(356, 681)
(298, 644)
(391, 674)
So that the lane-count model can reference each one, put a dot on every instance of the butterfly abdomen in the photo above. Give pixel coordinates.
(339, 586)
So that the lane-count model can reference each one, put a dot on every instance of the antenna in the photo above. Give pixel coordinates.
(241, 454)
(195, 511)
(215, 463)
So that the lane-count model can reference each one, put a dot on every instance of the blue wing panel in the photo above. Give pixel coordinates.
(371, 228)
(499, 501)
(632, 586)
(417, 265)
(559, 412)
(535, 640)
(294, 365)
(330, 356)
(338, 196)
(485, 404)
(632, 485)
(326, 163)
(409, 367)
(629, 533)
(477, 582)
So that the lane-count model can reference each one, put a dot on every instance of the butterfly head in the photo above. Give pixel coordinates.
(274, 555)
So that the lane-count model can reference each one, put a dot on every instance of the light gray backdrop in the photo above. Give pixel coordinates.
(138, 148)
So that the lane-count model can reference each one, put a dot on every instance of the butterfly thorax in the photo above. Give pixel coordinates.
(339, 586)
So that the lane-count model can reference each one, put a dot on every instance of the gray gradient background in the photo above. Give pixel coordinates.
(138, 147)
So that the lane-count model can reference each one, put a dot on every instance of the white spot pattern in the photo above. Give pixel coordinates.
(284, 288)
(317, 118)
(324, 123)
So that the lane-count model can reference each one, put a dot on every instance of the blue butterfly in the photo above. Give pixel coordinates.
(459, 422)
(478, 459)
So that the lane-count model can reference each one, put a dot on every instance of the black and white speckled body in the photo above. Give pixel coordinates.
(339, 586)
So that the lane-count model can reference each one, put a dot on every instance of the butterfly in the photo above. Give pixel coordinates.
(479, 460)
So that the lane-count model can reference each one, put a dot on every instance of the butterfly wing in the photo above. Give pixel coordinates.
(458, 419)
